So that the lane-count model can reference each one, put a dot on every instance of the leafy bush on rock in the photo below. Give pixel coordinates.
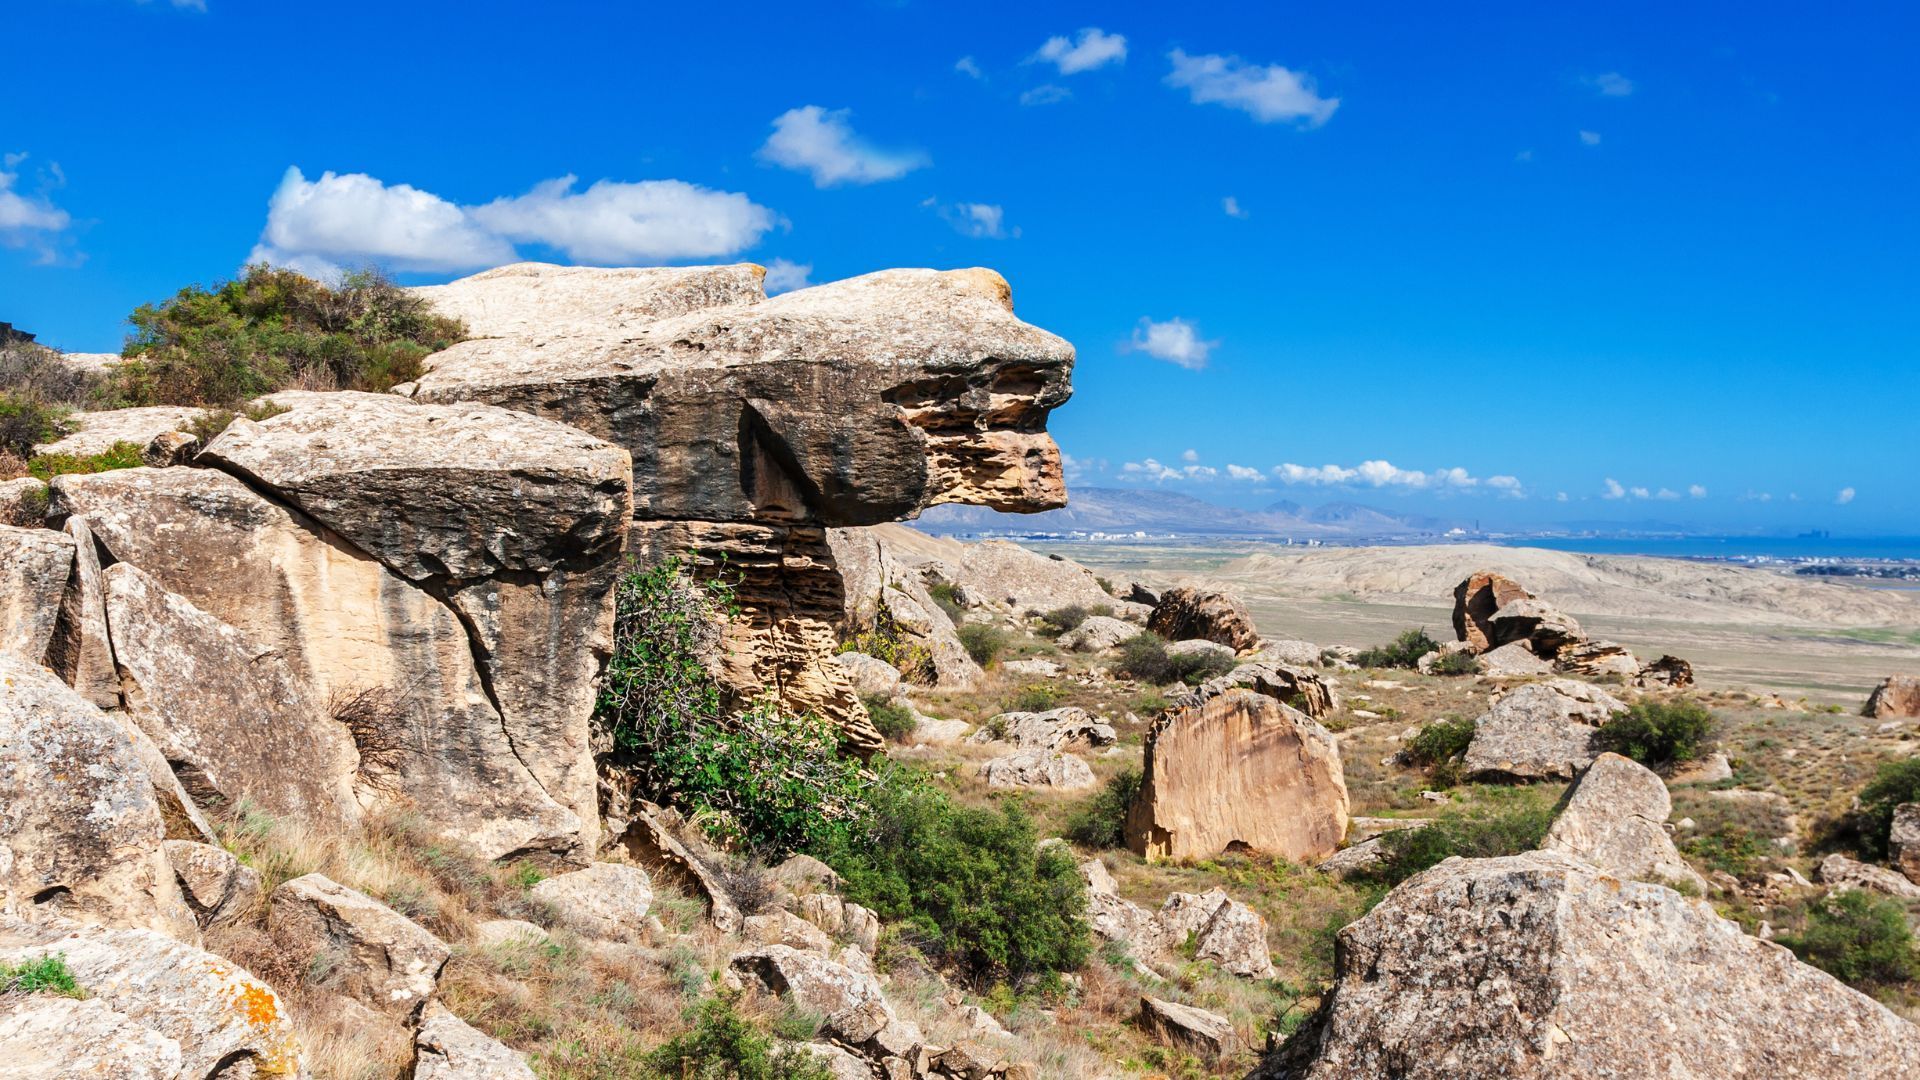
(1659, 732)
(723, 1045)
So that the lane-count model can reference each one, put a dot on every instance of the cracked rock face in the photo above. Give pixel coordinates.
(1615, 817)
(1540, 730)
(1539, 965)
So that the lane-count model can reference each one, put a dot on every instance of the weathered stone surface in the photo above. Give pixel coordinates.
(782, 927)
(1474, 602)
(170, 448)
(1669, 672)
(1240, 771)
(804, 874)
(871, 676)
(1707, 770)
(47, 1037)
(876, 570)
(509, 933)
(226, 709)
(80, 651)
(651, 844)
(448, 1048)
(1614, 817)
(815, 982)
(367, 951)
(23, 502)
(219, 887)
(224, 1022)
(1290, 652)
(1066, 728)
(1097, 634)
(1897, 697)
(96, 432)
(843, 919)
(1037, 768)
(1110, 916)
(1512, 660)
(608, 901)
(1538, 966)
(1359, 858)
(355, 632)
(34, 567)
(1207, 1036)
(1841, 874)
(1540, 730)
(1903, 843)
(1224, 930)
(1200, 647)
(1297, 687)
(1003, 576)
(1186, 612)
(1593, 659)
(1541, 625)
(79, 824)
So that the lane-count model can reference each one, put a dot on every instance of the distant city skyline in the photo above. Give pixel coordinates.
(1518, 263)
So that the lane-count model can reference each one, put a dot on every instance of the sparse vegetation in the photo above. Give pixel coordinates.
(1034, 697)
(211, 422)
(1659, 733)
(983, 641)
(121, 455)
(893, 719)
(1441, 741)
(946, 596)
(25, 421)
(1145, 657)
(1509, 824)
(1404, 651)
(1101, 820)
(1727, 847)
(1896, 782)
(1062, 619)
(1859, 938)
(47, 974)
(884, 637)
(1456, 663)
(723, 1045)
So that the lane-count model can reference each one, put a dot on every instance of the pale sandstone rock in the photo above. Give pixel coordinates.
(1668, 672)
(842, 919)
(1511, 661)
(804, 874)
(1707, 770)
(1004, 576)
(227, 708)
(841, 1064)
(1290, 652)
(1110, 916)
(1538, 966)
(46, 1037)
(928, 731)
(170, 448)
(783, 927)
(219, 887)
(1842, 874)
(1614, 817)
(23, 502)
(508, 933)
(1224, 930)
(875, 568)
(1897, 697)
(1361, 857)
(1540, 730)
(1185, 613)
(1037, 769)
(1199, 647)
(871, 676)
(34, 567)
(814, 982)
(1592, 659)
(1296, 687)
(226, 1023)
(346, 625)
(651, 844)
(1903, 844)
(79, 823)
(1207, 1036)
(1033, 668)
(97, 432)
(1541, 625)
(368, 952)
(448, 1048)
(1097, 634)
(1240, 771)
(1066, 728)
(606, 901)
(80, 651)
(1474, 602)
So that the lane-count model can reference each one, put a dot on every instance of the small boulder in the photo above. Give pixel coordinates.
(1186, 613)
(219, 887)
(448, 1048)
(1068, 727)
(1903, 843)
(1668, 672)
(1295, 653)
(803, 874)
(813, 982)
(170, 448)
(1297, 687)
(1474, 602)
(23, 502)
(1592, 659)
(649, 842)
(843, 919)
(1710, 769)
(1513, 660)
(1097, 634)
(1037, 769)
(1223, 930)
(354, 945)
(1109, 916)
(509, 933)
(606, 901)
(1896, 698)
(872, 676)
(1540, 624)
(1841, 874)
(1035, 668)
(1207, 1036)
(782, 927)
(1540, 730)
(1615, 817)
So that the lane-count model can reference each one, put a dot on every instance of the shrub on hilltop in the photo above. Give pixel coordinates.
(1404, 651)
(1658, 733)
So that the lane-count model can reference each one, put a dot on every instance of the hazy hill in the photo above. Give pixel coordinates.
(1098, 509)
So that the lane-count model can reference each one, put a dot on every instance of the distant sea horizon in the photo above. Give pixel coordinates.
(1734, 548)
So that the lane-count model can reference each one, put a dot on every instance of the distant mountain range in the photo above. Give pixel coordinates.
(1124, 510)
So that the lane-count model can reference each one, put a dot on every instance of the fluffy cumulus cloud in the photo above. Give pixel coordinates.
(785, 275)
(1091, 48)
(820, 141)
(982, 221)
(1245, 473)
(30, 221)
(1844, 496)
(1612, 489)
(1696, 491)
(1156, 472)
(1385, 474)
(1612, 84)
(1266, 92)
(316, 226)
(1176, 341)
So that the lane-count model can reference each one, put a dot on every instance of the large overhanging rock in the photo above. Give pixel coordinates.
(378, 652)
(1474, 602)
(1539, 966)
(1242, 771)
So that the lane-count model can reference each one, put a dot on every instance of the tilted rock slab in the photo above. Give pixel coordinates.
(34, 567)
(97, 432)
(1298, 687)
(1539, 965)
(448, 1048)
(1843, 874)
(1614, 817)
(1185, 613)
(218, 886)
(1240, 771)
(80, 829)
(1207, 1036)
(1540, 730)
(1474, 602)
(81, 652)
(607, 901)
(874, 571)
(355, 945)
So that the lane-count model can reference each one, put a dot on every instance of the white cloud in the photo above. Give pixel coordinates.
(1611, 84)
(1757, 496)
(1844, 496)
(785, 275)
(966, 66)
(1638, 492)
(618, 222)
(1233, 208)
(1613, 490)
(314, 225)
(1507, 485)
(1045, 94)
(1241, 472)
(1189, 456)
(1158, 473)
(1695, 491)
(1093, 48)
(982, 221)
(29, 219)
(1590, 138)
(1666, 494)
(1265, 92)
(1176, 341)
(1560, 496)
(820, 141)
(1385, 474)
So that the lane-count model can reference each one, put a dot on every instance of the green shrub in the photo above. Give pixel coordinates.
(47, 974)
(893, 719)
(211, 422)
(41, 374)
(26, 421)
(1145, 657)
(947, 596)
(1727, 848)
(1404, 651)
(1893, 783)
(1511, 825)
(983, 641)
(724, 1046)
(763, 779)
(272, 329)
(121, 455)
(1034, 697)
(1441, 741)
(1101, 820)
(973, 882)
(1659, 732)
(886, 638)
(1858, 938)
(1062, 619)
(1456, 663)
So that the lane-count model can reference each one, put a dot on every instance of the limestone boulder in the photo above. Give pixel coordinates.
(1186, 612)
(1593, 659)
(814, 982)
(1221, 929)
(1037, 769)
(1291, 652)
(80, 651)
(358, 947)
(1474, 602)
(163, 995)
(1097, 634)
(1841, 874)
(1539, 965)
(1067, 728)
(80, 828)
(1512, 661)
(1545, 628)
(1241, 771)
(170, 448)
(226, 709)
(782, 927)
(1896, 698)
(844, 920)
(218, 886)
(649, 842)
(1903, 843)
(871, 676)
(1540, 730)
(49, 1037)
(1614, 817)
(1296, 687)
(1207, 1036)
(34, 567)
(1110, 916)
(1004, 576)
(96, 432)
(448, 1048)
(606, 901)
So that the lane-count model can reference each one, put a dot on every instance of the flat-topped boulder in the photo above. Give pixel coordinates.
(1037, 769)
(96, 432)
(1065, 728)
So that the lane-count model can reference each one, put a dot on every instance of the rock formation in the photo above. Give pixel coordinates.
(1841, 874)
(1241, 771)
(1615, 817)
(1002, 576)
(1540, 730)
(1896, 698)
(1308, 691)
(1474, 602)
(881, 582)
(1903, 843)
(1065, 728)
(1097, 634)
(1207, 1036)
(1037, 769)
(1185, 613)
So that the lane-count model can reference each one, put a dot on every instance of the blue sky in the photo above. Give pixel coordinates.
(1474, 259)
